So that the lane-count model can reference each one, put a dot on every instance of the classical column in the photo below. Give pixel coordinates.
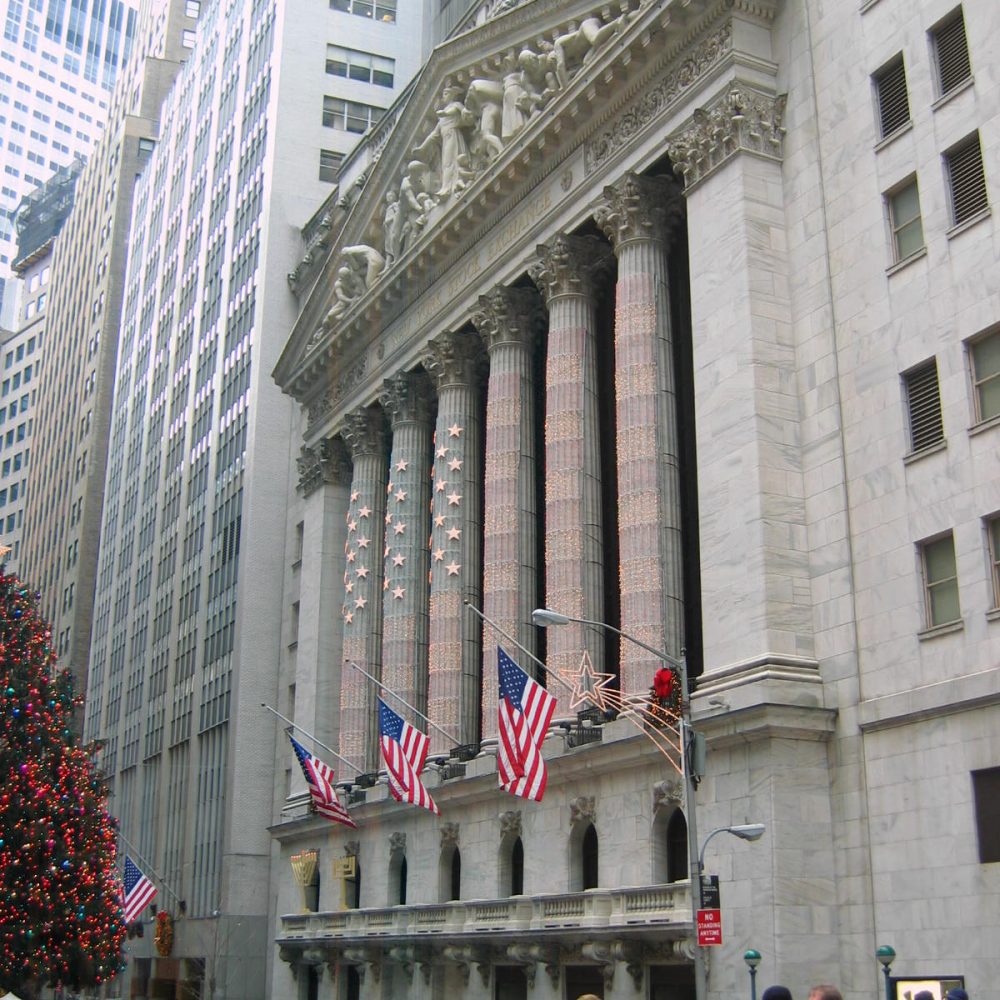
(456, 362)
(364, 431)
(637, 214)
(510, 321)
(566, 273)
(324, 476)
(408, 399)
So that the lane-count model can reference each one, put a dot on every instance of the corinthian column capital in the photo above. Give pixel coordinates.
(455, 359)
(509, 316)
(326, 461)
(364, 432)
(407, 397)
(639, 208)
(570, 265)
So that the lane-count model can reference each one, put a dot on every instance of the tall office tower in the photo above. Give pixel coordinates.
(66, 482)
(186, 632)
(59, 62)
(687, 337)
(38, 220)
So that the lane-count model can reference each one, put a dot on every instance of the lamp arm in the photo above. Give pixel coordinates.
(672, 660)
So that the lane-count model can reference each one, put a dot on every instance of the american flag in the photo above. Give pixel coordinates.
(137, 891)
(404, 750)
(319, 778)
(525, 712)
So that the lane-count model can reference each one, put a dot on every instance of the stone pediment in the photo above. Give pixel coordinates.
(491, 105)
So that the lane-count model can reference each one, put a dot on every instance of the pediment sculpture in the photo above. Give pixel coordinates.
(479, 112)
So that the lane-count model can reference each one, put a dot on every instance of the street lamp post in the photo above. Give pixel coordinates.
(886, 954)
(752, 958)
(544, 617)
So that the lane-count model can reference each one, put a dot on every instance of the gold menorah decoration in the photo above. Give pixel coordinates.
(304, 867)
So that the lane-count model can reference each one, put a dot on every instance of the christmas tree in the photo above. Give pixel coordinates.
(60, 904)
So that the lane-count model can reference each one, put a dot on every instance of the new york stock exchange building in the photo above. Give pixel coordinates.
(615, 314)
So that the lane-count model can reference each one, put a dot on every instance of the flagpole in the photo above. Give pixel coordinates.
(398, 698)
(159, 878)
(527, 652)
(310, 736)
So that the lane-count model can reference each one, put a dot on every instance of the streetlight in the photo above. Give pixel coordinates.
(544, 617)
(745, 831)
(886, 954)
(752, 958)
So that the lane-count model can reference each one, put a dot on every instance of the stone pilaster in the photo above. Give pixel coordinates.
(365, 433)
(408, 399)
(456, 363)
(509, 320)
(638, 214)
(318, 639)
(566, 273)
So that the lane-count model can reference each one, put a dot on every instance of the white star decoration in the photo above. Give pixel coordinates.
(455, 431)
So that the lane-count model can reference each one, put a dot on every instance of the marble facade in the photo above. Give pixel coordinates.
(629, 346)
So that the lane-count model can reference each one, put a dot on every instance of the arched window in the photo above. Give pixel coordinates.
(677, 848)
(517, 868)
(669, 840)
(397, 878)
(450, 874)
(588, 858)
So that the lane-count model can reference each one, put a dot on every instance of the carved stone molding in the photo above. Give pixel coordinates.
(449, 834)
(455, 359)
(640, 208)
(510, 824)
(668, 792)
(403, 955)
(571, 265)
(325, 462)
(407, 397)
(658, 98)
(741, 120)
(509, 315)
(322, 406)
(582, 809)
(397, 842)
(364, 431)
(352, 848)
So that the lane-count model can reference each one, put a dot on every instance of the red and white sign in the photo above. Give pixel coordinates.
(709, 928)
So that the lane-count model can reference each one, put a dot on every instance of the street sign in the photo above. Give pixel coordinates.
(710, 898)
(709, 928)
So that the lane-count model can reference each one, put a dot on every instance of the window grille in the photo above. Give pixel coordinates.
(966, 180)
(923, 403)
(893, 101)
(951, 53)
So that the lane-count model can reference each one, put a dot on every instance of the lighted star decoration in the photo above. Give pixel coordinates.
(446, 505)
(398, 592)
(453, 568)
(455, 465)
(363, 541)
(357, 542)
(402, 465)
(364, 511)
(362, 572)
(455, 431)
(588, 685)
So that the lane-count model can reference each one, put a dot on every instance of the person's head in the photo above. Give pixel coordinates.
(956, 993)
(777, 993)
(824, 991)
(924, 995)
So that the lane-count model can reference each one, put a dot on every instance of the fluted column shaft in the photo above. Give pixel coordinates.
(365, 434)
(574, 579)
(508, 321)
(455, 362)
(408, 399)
(637, 214)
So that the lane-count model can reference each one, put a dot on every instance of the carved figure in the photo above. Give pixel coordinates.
(414, 203)
(576, 45)
(392, 219)
(365, 262)
(486, 97)
(449, 136)
(347, 289)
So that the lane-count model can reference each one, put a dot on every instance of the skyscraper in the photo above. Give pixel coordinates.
(58, 67)
(185, 628)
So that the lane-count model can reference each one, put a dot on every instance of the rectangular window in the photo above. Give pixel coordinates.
(904, 218)
(893, 101)
(192, 8)
(923, 406)
(951, 52)
(349, 116)
(329, 164)
(365, 67)
(380, 10)
(984, 357)
(966, 180)
(993, 546)
(986, 793)
(187, 38)
(940, 581)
